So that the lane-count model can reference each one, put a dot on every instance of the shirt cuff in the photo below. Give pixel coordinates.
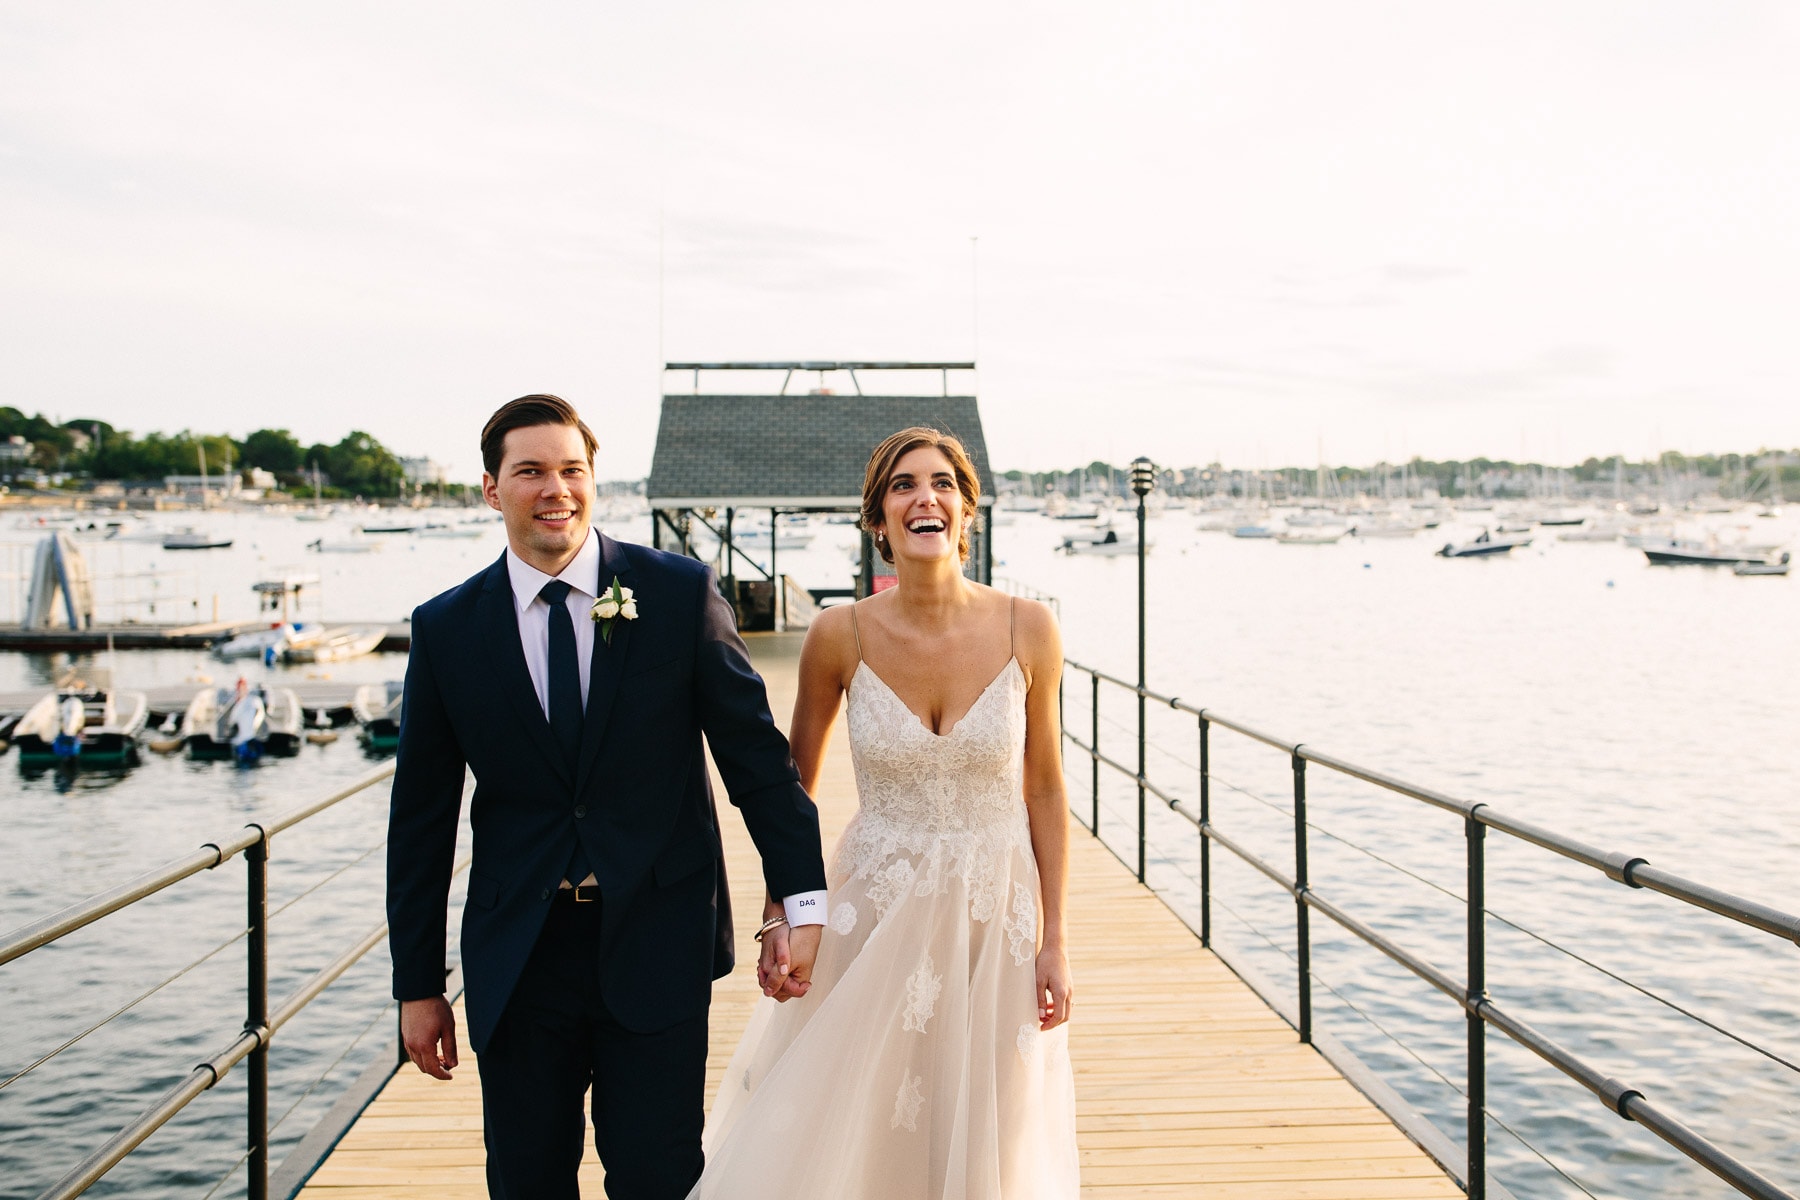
(805, 908)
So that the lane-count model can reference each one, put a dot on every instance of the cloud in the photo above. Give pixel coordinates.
(1415, 273)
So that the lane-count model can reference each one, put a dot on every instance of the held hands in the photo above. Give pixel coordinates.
(1054, 988)
(425, 1025)
(784, 969)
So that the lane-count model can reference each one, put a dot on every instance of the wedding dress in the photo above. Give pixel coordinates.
(914, 1068)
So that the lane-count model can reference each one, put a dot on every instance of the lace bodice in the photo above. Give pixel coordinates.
(966, 779)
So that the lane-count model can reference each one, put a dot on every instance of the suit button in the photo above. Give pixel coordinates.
(544, 895)
(580, 810)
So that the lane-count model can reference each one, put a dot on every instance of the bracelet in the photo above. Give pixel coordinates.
(771, 923)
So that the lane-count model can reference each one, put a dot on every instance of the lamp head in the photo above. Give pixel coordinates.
(1143, 476)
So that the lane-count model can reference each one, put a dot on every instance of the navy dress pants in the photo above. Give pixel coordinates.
(556, 1041)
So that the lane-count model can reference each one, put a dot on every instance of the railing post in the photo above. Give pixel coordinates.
(1302, 924)
(1205, 839)
(256, 1016)
(1094, 758)
(1141, 481)
(1476, 834)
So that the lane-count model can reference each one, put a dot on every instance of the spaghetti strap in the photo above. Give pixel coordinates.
(854, 632)
(1012, 626)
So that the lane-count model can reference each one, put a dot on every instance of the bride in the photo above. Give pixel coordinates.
(924, 1054)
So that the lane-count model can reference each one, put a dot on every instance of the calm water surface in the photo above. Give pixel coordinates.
(1643, 709)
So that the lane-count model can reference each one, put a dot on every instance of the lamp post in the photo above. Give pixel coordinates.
(1143, 479)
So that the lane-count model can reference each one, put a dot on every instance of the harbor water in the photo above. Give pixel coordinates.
(1642, 709)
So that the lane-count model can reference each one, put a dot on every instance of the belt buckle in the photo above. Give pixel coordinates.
(579, 888)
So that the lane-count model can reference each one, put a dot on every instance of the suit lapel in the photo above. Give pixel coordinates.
(607, 662)
(498, 615)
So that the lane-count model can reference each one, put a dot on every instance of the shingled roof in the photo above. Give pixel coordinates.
(791, 451)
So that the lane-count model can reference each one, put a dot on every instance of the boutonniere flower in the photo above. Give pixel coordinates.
(614, 604)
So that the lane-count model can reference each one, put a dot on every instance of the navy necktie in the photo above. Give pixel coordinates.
(565, 694)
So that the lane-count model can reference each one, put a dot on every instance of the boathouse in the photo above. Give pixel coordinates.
(721, 456)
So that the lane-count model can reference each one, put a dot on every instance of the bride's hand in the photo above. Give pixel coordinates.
(772, 964)
(1054, 987)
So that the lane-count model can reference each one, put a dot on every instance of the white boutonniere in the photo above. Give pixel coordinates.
(614, 604)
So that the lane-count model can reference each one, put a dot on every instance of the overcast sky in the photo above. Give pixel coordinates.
(1240, 230)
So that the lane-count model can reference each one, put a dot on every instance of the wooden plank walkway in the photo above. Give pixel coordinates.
(1187, 1084)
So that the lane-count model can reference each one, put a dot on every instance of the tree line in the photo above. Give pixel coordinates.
(357, 464)
(1735, 473)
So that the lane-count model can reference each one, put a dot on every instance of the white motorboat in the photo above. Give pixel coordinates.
(1483, 545)
(189, 538)
(82, 721)
(758, 535)
(1593, 531)
(116, 529)
(1385, 529)
(1107, 544)
(354, 544)
(269, 644)
(377, 710)
(449, 531)
(335, 645)
(1309, 537)
(285, 721)
(242, 723)
(1691, 552)
(1253, 531)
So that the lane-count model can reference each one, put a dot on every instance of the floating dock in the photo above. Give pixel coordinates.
(146, 636)
(1187, 1084)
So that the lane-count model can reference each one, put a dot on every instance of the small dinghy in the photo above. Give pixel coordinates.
(82, 721)
(377, 709)
(1777, 566)
(1484, 545)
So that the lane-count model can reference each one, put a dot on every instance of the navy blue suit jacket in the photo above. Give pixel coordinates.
(640, 803)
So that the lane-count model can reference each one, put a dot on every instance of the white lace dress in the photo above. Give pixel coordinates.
(914, 1068)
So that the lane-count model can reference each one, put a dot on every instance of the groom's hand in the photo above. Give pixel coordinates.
(428, 1031)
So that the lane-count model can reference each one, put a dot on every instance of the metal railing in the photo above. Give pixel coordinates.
(1470, 993)
(261, 1022)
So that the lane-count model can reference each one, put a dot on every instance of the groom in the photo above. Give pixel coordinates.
(597, 915)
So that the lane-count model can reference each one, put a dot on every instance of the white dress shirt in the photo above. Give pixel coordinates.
(583, 577)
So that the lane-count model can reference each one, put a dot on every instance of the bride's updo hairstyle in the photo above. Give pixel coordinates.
(885, 457)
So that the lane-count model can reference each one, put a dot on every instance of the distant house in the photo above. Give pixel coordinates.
(424, 472)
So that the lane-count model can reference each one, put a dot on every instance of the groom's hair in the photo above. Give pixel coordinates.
(537, 409)
(885, 457)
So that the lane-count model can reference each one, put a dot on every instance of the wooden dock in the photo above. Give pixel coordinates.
(1187, 1084)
